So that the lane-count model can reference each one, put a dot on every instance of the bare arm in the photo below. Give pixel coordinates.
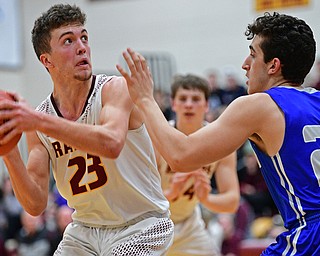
(254, 115)
(30, 183)
(207, 145)
(228, 196)
(108, 137)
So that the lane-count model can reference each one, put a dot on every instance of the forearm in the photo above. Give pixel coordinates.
(27, 189)
(107, 142)
(168, 141)
(222, 203)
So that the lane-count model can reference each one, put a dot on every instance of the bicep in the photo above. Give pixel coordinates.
(116, 107)
(226, 134)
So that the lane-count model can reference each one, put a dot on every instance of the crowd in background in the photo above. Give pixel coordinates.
(257, 217)
(22, 234)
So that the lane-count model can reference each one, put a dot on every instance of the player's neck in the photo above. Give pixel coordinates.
(188, 128)
(71, 99)
(288, 84)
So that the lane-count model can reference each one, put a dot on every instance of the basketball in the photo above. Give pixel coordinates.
(4, 149)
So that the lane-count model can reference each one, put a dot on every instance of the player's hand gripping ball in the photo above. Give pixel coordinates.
(5, 148)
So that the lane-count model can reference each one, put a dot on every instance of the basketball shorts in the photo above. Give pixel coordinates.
(192, 238)
(151, 236)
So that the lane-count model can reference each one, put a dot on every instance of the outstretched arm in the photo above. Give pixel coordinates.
(211, 143)
(142, 96)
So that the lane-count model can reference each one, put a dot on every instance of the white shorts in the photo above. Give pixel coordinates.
(151, 236)
(192, 238)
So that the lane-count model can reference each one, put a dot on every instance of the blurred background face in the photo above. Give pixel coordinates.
(190, 105)
(31, 224)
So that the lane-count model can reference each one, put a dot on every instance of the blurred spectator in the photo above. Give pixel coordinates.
(12, 210)
(216, 92)
(264, 231)
(163, 100)
(236, 228)
(253, 187)
(2, 245)
(63, 218)
(51, 212)
(3, 217)
(232, 89)
(33, 236)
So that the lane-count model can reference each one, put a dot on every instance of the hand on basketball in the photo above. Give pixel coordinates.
(15, 117)
(139, 82)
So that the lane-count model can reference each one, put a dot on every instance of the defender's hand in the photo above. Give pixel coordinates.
(139, 82)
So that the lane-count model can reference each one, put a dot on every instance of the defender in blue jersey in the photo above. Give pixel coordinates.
(279, 117)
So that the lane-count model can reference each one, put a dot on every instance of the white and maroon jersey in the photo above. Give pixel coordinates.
(184, 206)
(105, 191)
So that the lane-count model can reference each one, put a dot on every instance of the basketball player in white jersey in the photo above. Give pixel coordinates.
(185, 191)
(101, 155)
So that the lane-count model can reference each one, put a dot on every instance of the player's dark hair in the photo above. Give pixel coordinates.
(288, 38)
(57, 16)
(189, 82)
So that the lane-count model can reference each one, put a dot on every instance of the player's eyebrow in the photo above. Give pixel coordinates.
(70, 32)
(251, 48)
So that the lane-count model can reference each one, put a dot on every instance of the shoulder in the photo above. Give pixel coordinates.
(111, 81)
(115, 87)
(251, 113)
(251, 104)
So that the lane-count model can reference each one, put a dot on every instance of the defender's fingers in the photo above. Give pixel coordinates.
(136, 59)
(123, 72)
(130, 63)
(144, 64)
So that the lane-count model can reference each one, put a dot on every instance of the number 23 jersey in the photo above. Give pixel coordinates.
(105, 191)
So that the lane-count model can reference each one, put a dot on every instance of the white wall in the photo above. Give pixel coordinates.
(200, 34)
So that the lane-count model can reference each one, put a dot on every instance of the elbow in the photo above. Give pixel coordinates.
(234, 203)
(176, 166)
(178, 163)
(230, 203)
(36, 209)
(112, 150)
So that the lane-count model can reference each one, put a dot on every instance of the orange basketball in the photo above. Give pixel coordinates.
(4, 149)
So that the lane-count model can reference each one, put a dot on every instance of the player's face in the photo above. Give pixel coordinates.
(70, 52)
(255, 67)
(190, 105)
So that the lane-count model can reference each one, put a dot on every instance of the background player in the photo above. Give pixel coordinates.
(189, 94)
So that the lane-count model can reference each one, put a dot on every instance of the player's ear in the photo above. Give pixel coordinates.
(274, 66)
(45, 60)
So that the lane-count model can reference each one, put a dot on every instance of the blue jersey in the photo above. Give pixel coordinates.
(293, 174)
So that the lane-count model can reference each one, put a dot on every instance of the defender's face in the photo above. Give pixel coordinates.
(255, 67)
(70, 52)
